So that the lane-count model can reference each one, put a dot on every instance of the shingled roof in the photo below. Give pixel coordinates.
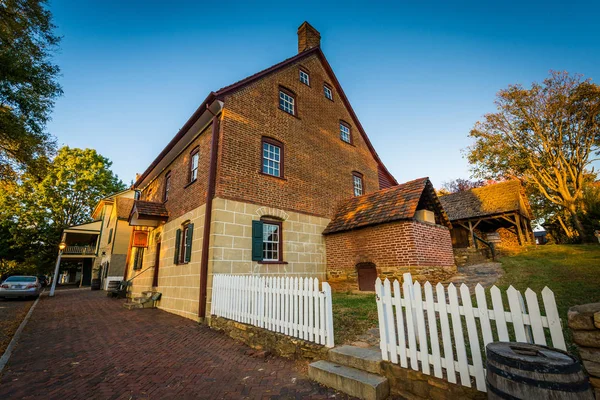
(488, 200)
(124, 206)
(387, 205)
(150, 209)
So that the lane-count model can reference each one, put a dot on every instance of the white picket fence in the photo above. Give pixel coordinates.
(409, 326)
(292, 306)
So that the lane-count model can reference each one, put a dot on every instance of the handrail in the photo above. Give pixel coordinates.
(138, 274)
(488, 244)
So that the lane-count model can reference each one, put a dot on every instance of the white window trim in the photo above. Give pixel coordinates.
(277, 163)
(358, 185)
(274, 243)
(303, 73)
(327, 90)
(288, 103)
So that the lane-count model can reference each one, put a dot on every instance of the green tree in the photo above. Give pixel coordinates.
(546, 136)
(38, 210)
(28, 85)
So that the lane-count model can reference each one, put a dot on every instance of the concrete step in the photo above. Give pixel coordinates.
(352, 381)
(366, 359)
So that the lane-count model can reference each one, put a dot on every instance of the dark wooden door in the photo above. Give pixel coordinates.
(156, 265)
(367, 274)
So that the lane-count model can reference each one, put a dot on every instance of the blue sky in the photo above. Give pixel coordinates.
(418, 76)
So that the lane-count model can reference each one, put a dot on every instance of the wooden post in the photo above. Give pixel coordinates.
(471, 229)
(519, 231)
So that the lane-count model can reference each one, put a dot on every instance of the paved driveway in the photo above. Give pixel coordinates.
(82, 345)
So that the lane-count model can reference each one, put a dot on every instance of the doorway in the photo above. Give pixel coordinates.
(156, 265)
(367, 274)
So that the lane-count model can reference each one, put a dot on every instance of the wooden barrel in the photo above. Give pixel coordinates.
(532, 372)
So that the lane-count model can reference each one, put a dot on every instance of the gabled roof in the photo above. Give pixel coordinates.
(124, 206)
(385, 175)
(149, 209)
(396, 203)
(488, 200)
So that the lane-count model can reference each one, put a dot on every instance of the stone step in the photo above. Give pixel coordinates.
(352, 381)
(366, 359)
(132, 306)
(141, 299)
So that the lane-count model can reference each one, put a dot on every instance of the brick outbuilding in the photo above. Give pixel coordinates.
(387, 233)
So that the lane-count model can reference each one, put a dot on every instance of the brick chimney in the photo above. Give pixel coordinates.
(308, 37)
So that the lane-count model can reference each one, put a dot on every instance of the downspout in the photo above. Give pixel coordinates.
(210, 193)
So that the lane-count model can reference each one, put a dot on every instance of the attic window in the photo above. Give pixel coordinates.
(328, 92)
(357, 180)
(345, 132)
(304, 78)
(287, 101)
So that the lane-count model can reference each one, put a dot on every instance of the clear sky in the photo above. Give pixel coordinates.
(418, 76)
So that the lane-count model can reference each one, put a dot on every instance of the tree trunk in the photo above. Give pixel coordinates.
(579, 227)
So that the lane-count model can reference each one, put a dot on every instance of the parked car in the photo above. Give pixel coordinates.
(20, 286)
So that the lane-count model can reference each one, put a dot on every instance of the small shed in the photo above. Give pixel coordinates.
(499, 213)
(387, 233)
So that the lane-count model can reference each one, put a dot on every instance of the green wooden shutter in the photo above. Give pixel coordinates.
(257, 240)
(188, 242)
(177, 243)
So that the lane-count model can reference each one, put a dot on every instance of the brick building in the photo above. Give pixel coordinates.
(251, 181)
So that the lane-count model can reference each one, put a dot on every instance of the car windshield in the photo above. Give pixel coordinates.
(20, 279)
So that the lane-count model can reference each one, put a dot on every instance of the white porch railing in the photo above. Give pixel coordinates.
(292, 306)
(410, 326)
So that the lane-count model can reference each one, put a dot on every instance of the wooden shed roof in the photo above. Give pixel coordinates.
(499, 198)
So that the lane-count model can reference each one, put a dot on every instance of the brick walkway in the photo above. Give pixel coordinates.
(12, 312)
(83, 345)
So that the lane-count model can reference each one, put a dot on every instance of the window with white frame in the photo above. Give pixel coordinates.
(357, 179)
(287, 102)
(328, 92)
(194, 165)
(271, 157)
(271, 241)
(345, 133)
(304, 78)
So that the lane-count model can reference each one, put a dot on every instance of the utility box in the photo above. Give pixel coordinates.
(425, 216)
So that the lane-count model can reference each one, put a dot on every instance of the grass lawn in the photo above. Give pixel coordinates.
(353, 315)
(571, 271)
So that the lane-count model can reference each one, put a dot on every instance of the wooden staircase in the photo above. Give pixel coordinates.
(148, 299)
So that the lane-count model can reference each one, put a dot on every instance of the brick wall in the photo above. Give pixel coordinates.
(423, 249)
(318, 164)
(183, 196)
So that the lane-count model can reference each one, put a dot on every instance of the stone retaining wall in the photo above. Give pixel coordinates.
(412, 384)
(584, 321)
(268, 341)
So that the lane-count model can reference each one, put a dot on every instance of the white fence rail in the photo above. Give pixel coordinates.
(292, 306)
(428, 332)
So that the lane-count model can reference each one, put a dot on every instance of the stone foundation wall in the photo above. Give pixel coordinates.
(412, 384)
(584, 321)
(268, 341)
